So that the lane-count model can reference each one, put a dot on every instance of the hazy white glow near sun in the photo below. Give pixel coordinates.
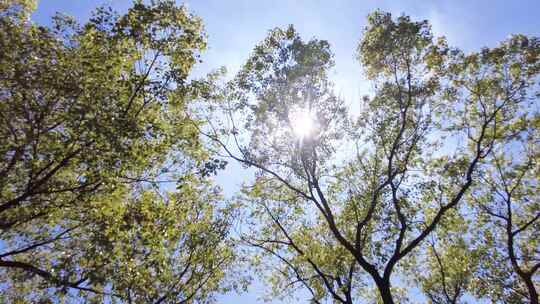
(302, 123)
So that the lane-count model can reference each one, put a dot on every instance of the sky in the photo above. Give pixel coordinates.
(234, 27)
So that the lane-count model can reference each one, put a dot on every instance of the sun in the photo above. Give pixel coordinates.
(302, 123)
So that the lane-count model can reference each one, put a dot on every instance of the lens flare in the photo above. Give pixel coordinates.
(302, 123)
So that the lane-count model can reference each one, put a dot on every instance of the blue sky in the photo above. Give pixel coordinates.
(234, 27)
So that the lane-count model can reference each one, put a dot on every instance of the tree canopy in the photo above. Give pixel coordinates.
(360, 202)
(94, 118)
(110, 145)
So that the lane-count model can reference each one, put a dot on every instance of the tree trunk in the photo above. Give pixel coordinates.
(384, 290)
(533, 294)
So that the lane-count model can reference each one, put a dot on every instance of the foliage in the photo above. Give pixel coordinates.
(94, 118)
(105, 188)
(342, 208)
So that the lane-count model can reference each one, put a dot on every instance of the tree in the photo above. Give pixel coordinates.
(509, 211)
(93, 119)
(343, 202)
(289, 78)
(504, 197)
(500, 81)
(449, 267)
